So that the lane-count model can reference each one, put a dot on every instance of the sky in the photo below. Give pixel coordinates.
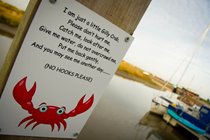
(168, 38)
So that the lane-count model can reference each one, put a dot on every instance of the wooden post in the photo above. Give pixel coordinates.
(16, 44)
(126, 14)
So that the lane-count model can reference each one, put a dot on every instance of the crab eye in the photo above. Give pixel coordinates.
(60, 110)
(43, 108)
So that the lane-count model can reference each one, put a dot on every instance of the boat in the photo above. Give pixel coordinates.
(160, 103)
(200, 123)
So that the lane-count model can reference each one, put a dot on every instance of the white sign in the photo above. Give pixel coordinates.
(66, 61)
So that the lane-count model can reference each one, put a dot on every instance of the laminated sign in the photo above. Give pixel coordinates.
(66, 61)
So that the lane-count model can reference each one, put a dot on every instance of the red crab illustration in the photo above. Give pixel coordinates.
(45, 114)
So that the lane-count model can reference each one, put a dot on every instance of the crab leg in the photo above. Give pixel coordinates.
(82, 107)
(52, 126)
(32, 121)
(24, 97)
(35, 125)
(25, 119)
(64, 124)
(59, 126)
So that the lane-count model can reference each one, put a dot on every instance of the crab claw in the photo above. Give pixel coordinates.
(81, 107)
(22, 96)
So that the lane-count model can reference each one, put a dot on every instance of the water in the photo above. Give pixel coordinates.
(117, 115)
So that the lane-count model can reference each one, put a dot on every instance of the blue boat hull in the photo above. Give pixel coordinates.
(186, 122)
